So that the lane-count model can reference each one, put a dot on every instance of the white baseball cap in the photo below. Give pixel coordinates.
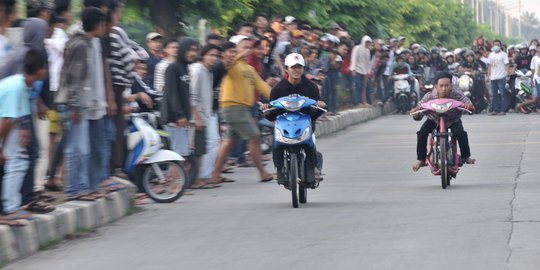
(153, 35)
(289, 19)
(294, 59)
(236, 39)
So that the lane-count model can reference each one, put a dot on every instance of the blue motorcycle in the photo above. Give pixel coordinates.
(293, 131)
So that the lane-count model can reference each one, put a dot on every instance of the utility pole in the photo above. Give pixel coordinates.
(477, 10)
(519, 18)
(497, 18)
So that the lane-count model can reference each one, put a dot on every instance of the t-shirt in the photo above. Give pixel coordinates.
(498, 62)
(14, 97)
(535, 67)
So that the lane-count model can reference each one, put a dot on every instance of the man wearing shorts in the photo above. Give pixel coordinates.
(236, 100)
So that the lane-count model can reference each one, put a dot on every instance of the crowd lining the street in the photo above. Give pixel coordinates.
(85, 77)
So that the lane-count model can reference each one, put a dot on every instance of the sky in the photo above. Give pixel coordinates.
(526, 5)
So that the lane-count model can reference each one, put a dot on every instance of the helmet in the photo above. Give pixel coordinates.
(422, 50)
(444, 50)
(457, 51)
(521, 46)
(532, 48)
(434, 50)
(448, 54)
(469, 52)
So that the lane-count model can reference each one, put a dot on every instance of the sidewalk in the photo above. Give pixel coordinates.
(76, 216)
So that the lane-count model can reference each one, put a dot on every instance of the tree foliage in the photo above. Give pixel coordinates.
(424, 21)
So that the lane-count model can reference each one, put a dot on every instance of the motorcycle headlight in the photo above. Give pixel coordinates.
(441, 108)
(280, 138)
(292, 105)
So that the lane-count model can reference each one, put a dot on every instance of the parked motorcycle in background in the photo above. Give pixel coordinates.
(405, 98)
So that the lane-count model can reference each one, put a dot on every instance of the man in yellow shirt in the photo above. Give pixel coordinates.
(239, 89)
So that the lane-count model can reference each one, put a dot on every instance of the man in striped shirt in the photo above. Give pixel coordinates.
(121, 59)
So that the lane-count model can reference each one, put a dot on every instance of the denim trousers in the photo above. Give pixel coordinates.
(330, 91)
(498, 95)
(358, 86)
(212, 146)
(97, 153)
(76, 151)
(109, 136)
(16, 167)
(179, 137)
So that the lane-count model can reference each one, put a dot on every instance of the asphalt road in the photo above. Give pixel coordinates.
(371, 212)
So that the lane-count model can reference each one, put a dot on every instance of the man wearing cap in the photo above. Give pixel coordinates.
(154, 41)
(296, 83)
(236, 101)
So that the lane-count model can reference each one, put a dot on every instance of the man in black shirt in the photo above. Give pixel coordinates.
(296, 83)
(476, 69)
(523, 60)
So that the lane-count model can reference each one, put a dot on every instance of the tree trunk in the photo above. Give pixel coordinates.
(164, 16)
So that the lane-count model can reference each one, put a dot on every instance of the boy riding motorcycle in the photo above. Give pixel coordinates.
(296, 83)
(443, 89)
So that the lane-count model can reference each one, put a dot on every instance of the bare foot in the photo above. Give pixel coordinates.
(470, 160)
(419, 164)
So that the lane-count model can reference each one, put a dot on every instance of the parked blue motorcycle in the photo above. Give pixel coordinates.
(293, 130)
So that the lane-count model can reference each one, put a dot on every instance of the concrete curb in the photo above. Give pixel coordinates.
(351, 117)
(68, 218)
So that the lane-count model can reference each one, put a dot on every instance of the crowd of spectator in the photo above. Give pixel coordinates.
(85, 77)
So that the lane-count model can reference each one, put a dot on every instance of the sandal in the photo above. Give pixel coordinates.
(40, 207)
(14, 223)
(46, 198)
(226, 180)
(228, 170)
(19, 214)
(53, 187)
(205, 186)
(267, 178)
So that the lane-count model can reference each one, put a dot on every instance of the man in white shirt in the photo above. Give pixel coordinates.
(360, 66)
(498, 72)
(535, 67)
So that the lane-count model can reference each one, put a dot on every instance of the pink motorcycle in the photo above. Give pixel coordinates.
(442, 156)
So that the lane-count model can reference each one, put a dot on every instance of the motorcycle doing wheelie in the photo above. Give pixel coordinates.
(293, 129)
(442, 157)
(523, 88)
(156, 171)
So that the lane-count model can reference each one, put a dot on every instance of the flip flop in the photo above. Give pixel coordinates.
(205, 186)
(19, 214)
(14, 223)
(226, 180)
(228, 170)
(268, 178)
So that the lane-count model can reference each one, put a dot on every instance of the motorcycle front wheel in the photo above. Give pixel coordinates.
(443, 164)
(164, 182)
(293, 183)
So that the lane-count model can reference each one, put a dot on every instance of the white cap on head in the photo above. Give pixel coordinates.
(236, 39)
(289, 19)
(153, 35)
(294, 59)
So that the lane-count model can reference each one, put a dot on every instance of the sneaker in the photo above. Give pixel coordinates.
(501, 113)
(492, 113)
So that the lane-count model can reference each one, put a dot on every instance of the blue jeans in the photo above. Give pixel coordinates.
(212, 147)
(179, 137)
(498, 94)
(76, 151)
(347, 84)
(109, 133)
(538, 93)
(16, 166)
(358, 85)
(96, 170)
(330, 91)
